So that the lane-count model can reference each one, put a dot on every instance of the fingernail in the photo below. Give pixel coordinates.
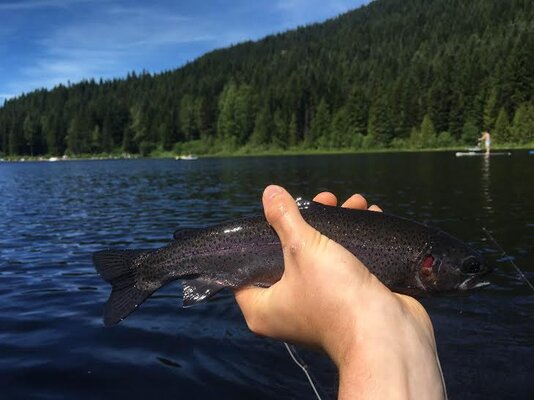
(272, 191)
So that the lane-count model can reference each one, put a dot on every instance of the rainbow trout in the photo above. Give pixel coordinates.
(405, 255)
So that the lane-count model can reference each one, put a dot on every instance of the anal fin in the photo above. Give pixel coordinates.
(199, 290)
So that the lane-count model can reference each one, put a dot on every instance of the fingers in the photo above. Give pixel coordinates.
(374, 207)
(356, 201)
(326, 198)
(282, 213)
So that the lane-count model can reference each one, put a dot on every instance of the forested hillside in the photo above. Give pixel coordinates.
(396, 73)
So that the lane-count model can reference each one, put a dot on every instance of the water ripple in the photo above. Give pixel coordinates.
(55, 215)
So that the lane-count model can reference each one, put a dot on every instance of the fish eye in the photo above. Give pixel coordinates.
(471, 266)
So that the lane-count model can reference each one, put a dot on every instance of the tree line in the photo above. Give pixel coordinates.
(395, 73)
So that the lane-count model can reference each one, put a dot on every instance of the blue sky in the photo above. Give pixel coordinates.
(47, 42)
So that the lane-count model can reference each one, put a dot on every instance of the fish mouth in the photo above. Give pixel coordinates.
(475, 281)
(472, 282)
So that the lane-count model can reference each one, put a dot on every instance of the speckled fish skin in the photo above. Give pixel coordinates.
(402, 253)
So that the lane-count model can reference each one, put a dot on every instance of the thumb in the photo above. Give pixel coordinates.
(283, 214)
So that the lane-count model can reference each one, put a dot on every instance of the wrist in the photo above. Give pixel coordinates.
(388, 351)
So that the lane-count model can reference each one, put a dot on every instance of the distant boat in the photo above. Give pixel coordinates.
(478, 153)
(186, 157)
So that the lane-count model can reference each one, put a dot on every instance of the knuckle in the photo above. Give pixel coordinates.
(320, 241)
(295, 247)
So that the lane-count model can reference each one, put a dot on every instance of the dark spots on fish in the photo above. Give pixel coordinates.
(248, 252)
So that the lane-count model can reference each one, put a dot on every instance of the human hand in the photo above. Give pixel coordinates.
(382, 343)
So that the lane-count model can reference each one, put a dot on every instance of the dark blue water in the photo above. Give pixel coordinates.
(54, 215)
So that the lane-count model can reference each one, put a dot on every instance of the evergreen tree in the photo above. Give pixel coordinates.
(428, 133)
(114, 123)
(280, 137)
(457, 120)
(425, 136)
(263, 128)
(14, 139)
(293, 131)
(49, 132)
(127, 141)
(244, 113)
(31, 131)
(227, 124)
(522, 129)
(96, 140)
(380, 126)
(164, 136)
(188, 117)
(439, 105)
(517, 79)
(137, 129)
(470, 132)
(357, 110)
(205, 111)
(490, 110)
(341, 130)
(3, 135)
(319, 132)
(500, 133)
(77, 135)
(105, 142)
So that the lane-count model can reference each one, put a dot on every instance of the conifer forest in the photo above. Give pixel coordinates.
(393, 74)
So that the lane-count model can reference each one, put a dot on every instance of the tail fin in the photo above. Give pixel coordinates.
(118, 268)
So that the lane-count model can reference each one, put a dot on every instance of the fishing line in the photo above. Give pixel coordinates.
(298, 360)
(508, 258)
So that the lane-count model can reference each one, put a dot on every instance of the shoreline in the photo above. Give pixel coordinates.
(265, 153)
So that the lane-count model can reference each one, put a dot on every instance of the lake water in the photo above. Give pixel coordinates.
(54, 215)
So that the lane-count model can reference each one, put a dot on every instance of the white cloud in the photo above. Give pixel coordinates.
(36, 4)
(121, 29)
(107, 44)
(119, 36)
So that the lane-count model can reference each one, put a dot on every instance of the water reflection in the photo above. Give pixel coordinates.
(486, 192)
